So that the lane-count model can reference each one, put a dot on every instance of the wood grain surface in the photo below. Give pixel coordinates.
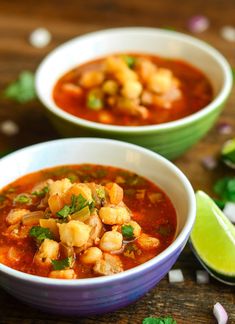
(187, 302)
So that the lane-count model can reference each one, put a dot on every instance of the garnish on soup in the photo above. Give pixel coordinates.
(133, 90)
(103, 222)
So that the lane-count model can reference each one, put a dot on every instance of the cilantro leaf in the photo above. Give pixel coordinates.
(23, 199)
(64, 212)
(127, 231)
(40, 233)
(94, 102)
(41, 193)
(225, 189)
(100, 193)
(130, 61)
(77, 203)
(62, 264)
(159, 320)
(23, 89)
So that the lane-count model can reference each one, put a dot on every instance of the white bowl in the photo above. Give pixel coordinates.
(102, 294)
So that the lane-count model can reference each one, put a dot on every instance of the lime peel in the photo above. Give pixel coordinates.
(213, 236)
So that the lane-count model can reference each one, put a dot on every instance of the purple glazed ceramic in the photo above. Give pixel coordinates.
(103, 294)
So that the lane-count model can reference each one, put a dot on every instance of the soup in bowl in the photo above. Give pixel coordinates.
(84, 231)
(133, 84)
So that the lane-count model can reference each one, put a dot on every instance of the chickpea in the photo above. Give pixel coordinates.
(110, 264)
(114, 64)
(92, 79)
(145, 68)
(74, 233)
(131, 89)
(111, 241)
(63, 274)
(59, 187)
(147, 98)
(114, 215)
(147, 242)
(136, 228)
(91, 255)
(126, 75)
(48, 251)
(110, 87)
(161, 81)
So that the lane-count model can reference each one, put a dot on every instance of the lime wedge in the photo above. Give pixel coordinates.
(213, 237)
(228, 153)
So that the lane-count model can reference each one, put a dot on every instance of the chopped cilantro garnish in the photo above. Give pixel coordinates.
(159, 320)
(41, 193)
(40, 233)
(62, 264)
(77, 203)
(225, 189)
(100, 193)
(127, 231)
(22, 90)
(94, 102)
(129, 60)
(64, 212)
(23, 199)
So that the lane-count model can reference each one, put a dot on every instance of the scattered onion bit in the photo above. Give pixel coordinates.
(9, 128)
(224, 128)
(198, 24)
(202, 277)
(228, 33)
(40, 37)
(220, 314)
(229, 211)
(175, 275)
(209, 162)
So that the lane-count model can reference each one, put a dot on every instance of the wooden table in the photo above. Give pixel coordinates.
(188, 302)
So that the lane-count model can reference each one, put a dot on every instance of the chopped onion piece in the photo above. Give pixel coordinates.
(198, 24)
(9, 128)
(220, 314)
(202, 277)
(228, 33)
(229, 211)
(209, 162)
(175, 275)
(224, 128)
(40, 37)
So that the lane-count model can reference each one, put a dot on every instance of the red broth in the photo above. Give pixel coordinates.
(149, 207)
(158, 100)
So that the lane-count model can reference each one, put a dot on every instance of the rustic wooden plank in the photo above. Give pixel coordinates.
(188, 302)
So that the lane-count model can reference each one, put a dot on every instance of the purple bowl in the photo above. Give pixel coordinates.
(102, 294)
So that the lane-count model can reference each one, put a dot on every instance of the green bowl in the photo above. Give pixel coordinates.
(169, 139)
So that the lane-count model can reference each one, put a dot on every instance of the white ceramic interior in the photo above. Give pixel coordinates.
(113, 153)
(140, 40)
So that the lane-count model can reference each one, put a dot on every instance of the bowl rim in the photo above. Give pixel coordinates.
(178, 243)
(138, 130)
